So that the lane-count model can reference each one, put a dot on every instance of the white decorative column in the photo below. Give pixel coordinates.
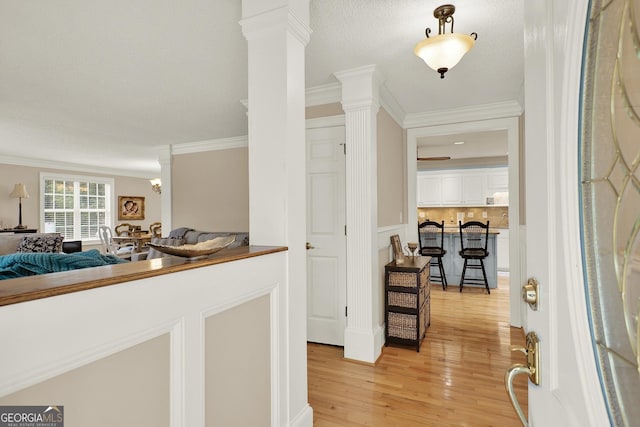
(277, 32)
(360, 102)
(164, 157)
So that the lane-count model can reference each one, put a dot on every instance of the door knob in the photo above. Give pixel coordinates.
(532, 369)
(530, 293)
(310, 246)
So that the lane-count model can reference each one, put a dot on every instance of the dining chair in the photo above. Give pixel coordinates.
(474, 236)
(121, 250)
(431, 239)
(124, 229)
(155, 229)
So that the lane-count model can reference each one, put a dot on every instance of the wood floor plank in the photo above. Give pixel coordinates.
(457, 378)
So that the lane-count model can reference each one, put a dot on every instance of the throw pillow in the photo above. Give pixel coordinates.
(41, 243)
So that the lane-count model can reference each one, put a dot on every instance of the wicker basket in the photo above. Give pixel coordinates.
(404, 326)
(397, 278)
(407, 280)
(426, 313)
(405, 299)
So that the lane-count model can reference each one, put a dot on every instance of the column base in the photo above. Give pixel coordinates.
(363, 345)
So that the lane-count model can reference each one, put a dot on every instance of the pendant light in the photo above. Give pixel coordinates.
(445, 50)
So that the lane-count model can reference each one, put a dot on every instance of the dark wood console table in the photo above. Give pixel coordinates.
(19, 230)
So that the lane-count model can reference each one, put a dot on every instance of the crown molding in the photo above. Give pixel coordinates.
(317, 95)
(391, 106)
(323, 122)
(465, 114)
(75, 167)
(332, 93)
(324, 94)
(211, 145)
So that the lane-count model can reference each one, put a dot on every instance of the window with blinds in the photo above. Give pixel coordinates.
(76, 206)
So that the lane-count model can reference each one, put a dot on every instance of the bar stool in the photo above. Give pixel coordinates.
(431, 238)
(474, 236)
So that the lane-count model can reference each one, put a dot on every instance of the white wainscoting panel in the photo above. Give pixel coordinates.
(48, 337)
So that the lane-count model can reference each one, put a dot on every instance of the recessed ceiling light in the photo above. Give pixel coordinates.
(458, 143)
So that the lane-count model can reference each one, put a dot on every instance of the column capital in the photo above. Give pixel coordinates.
(360, 88)
(164, 155)
(282, 19)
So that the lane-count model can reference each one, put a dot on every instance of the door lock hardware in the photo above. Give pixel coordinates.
(530, 293)
(532, 369)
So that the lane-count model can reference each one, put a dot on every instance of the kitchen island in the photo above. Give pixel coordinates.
(453, 262)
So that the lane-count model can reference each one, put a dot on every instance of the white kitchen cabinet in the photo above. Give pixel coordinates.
(451, 190)
(502, 249)
(498, 180)
(472, 190)
(429, 190)
(497, 186)
(464, 187)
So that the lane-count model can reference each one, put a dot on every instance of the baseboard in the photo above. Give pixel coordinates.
(304, 418)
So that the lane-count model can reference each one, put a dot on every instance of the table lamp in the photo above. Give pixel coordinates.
(20, 192)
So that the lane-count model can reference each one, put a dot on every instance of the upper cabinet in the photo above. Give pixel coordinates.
(498, 180)
(468, 187)
(429, 190)
(451, 190)
(472, 189)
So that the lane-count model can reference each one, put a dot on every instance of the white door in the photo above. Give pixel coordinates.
(326, 254)
(569, 393)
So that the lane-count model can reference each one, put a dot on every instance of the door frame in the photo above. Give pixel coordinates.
(492, 117)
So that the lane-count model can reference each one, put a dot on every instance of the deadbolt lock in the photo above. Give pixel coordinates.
(530, 293)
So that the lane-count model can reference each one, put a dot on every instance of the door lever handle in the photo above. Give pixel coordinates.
(532, 369)
(519, 348)
(509, 376)
(310, 246)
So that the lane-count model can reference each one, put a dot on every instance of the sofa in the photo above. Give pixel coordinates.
(28, 254)
(183, 236)
(30, 242)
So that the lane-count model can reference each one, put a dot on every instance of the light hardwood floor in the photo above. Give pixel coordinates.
(457, 378)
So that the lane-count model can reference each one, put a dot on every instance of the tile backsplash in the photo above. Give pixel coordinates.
(498, 216)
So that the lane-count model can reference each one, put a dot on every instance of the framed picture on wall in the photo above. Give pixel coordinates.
(130, 207)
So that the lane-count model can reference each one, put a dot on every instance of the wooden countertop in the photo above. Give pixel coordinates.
(13, 291)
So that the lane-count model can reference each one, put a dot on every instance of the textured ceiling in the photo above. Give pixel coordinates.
(105, 83)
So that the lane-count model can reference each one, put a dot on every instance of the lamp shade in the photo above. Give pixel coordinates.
(444, 51)
(19, 191)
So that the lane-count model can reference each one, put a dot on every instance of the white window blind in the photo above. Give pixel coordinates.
(75, 206)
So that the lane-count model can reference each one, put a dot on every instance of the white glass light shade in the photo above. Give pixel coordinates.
(444, 50)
